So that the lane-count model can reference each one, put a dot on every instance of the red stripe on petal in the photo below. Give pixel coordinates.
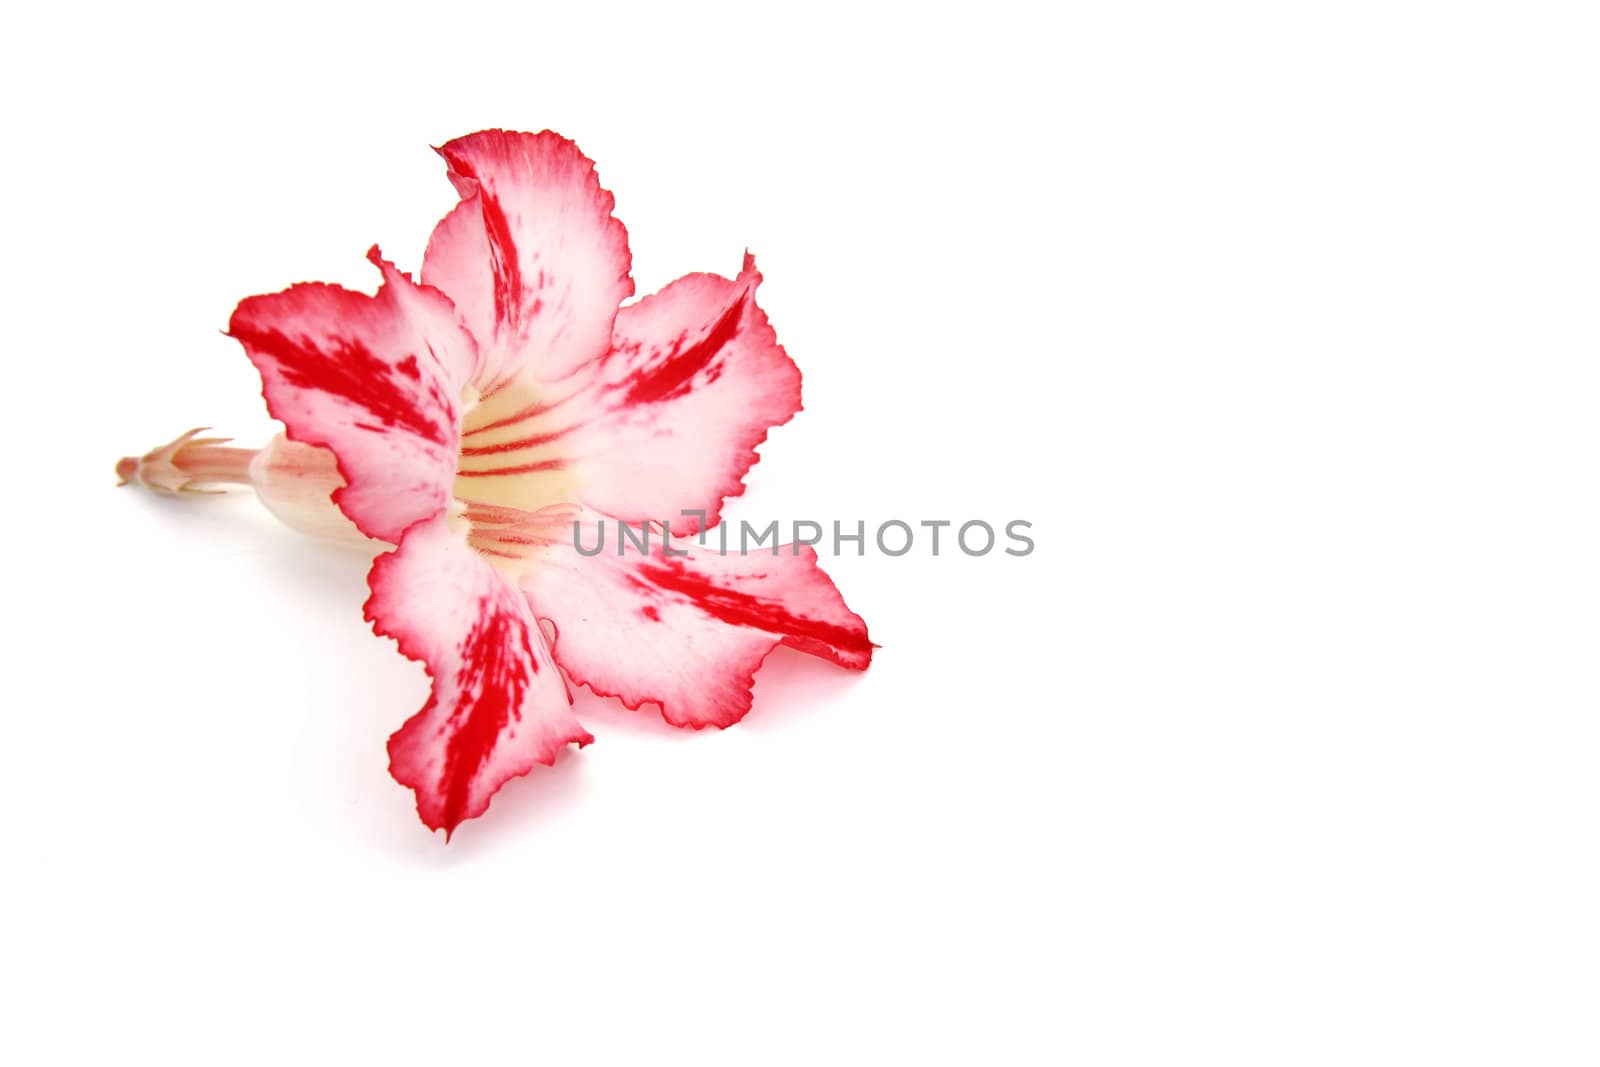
(375, 380)
(346, 368)
(738, 608)
(537, 254)
(521, 468)
(671, 376)
(516, 445)
(496, 661)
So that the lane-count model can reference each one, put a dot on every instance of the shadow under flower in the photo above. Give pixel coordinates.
(792, 685)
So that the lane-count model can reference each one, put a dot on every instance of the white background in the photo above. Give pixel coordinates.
(1277, 321)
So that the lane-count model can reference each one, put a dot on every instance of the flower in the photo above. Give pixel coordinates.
(470, 419)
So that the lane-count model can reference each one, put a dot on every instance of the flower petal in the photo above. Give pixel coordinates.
(532, 256)
(688, 632)
(498, 705)
(694, 380)
(375, 379)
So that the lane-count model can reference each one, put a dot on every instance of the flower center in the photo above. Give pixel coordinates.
(515, 479)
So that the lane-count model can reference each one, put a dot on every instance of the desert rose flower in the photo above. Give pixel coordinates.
(470, 419)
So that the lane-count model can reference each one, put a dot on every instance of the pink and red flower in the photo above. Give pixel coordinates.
(474, 416)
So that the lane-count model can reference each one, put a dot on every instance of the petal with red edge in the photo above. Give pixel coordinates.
(532, 256)
(689, 632)
(694, 380)
(375, 379)
(498, 705)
